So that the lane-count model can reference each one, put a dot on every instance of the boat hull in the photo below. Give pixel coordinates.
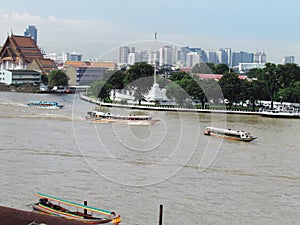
(231, 137)
(45, 105)
(69, 215)
(129, 122)
(229, 134)
(100, 117)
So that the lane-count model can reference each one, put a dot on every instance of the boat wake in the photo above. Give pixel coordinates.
(53, 117)
(13, 104)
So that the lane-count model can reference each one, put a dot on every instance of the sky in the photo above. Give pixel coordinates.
(97, 27)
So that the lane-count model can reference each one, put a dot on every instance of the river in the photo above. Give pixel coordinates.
(133, 169)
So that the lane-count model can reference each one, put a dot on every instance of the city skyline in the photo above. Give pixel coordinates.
(94, 27)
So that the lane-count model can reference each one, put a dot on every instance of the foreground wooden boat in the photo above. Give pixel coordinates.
(45, 105)
(102, 117)
(74, 211)
(229, 134)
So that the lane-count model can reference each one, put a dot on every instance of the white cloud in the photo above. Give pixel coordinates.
(57, 34)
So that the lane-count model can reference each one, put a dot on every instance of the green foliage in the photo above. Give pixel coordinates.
(231, 87)
(255, 73)
(274, 82)
(139, 77)
(174, 91)
(100, 89)
(290, 93)
(57, 78)
(209, 68)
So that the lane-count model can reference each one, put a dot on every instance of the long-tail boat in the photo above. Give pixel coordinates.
(74, 211)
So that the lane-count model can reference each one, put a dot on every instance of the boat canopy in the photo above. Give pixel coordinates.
(59, 200)
(224, 131)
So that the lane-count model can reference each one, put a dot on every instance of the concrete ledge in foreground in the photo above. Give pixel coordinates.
(10, 216)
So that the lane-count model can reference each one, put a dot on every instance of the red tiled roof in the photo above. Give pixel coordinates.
(209, 76)
(243, 77)
(21, 46)
(90, 64)
(187, 70)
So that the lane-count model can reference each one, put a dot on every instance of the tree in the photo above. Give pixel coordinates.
(255, 73)
(291, 93)
(178, 76)
(57, 78)
(101, 89)
(231, 87)
(116, 79)
(174, 91)
(135, 79)
(220, 68)
(206, 68)
(287, 74)
(270, 76)
(257, 91)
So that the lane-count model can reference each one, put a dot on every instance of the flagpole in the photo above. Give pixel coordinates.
(155, 36)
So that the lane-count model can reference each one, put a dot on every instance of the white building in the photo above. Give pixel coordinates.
(244, 67)
(156, 94)
(123, 54)
(192, 59)
(19, 76)
(166, 56)
(260, 57)
(288, 59)
(73, 56)
(59, 59)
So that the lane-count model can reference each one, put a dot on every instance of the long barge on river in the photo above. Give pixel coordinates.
(107, 117)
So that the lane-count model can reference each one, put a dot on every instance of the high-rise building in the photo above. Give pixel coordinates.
(192, 59)
(166, 56)
(31, 31)
(73, 56)
(288, 59)
(241, 57)
(227, 56)
(123, 54)
(260, 57)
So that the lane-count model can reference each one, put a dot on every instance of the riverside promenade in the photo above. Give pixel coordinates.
(167, 108)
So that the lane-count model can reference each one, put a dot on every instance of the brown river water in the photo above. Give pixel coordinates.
(133, 169)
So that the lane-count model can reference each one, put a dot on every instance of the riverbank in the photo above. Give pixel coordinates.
(167, 108)
(28, 88)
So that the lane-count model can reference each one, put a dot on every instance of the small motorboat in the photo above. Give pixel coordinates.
(45, 105)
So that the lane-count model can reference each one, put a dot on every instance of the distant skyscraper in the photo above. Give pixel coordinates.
(72, 56)
(166, 56)
(241, 57)
(31, 31)
(288, 59)
(260, 57)
(192, 59)
(123, 54)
